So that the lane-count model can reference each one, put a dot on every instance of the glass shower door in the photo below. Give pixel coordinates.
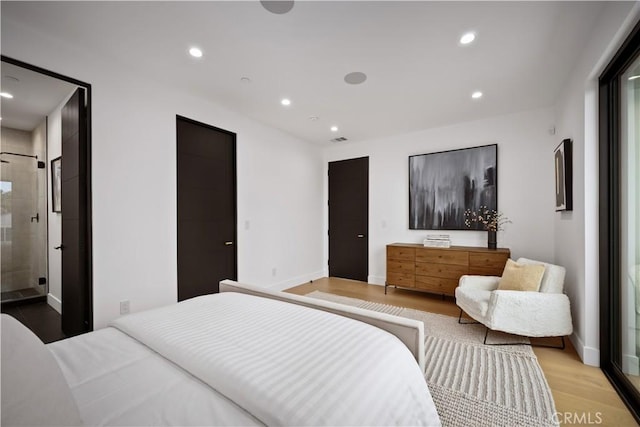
(23, 217)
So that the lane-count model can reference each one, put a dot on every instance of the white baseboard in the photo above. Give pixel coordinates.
(376, 280)
(577, 344)
(296, 281)
(55, 303)
(589, 355)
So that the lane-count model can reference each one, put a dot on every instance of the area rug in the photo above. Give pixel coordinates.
(473, 384)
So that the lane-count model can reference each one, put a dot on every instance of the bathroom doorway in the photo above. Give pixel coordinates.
(39, 218)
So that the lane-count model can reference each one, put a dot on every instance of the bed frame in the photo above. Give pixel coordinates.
(409, 331)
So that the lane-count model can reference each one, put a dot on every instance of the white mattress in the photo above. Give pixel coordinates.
(244, 360)
(117, 381)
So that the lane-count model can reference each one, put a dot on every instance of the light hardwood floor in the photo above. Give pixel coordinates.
(582, 394)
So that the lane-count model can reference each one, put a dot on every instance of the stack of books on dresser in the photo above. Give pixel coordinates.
(437, 241)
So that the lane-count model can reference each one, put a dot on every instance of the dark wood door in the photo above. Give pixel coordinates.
(76, 303)
(349, 219)
(206, 169)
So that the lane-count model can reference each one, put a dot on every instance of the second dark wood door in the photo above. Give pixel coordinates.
(349, 219)
(206, 171)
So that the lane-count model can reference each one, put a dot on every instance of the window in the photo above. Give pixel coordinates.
(620, 221)
(5, 211)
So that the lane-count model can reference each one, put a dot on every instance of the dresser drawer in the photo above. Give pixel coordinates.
(401, 253)
(401, 279)
(486, 271)
(395, 266)
(436, 285)
(446, 271)
(436, 256)
(488, 259)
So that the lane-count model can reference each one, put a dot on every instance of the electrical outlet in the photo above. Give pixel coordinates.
(274, 272)
(125, 307)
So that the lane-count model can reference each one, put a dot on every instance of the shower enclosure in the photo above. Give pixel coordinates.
(23, 202)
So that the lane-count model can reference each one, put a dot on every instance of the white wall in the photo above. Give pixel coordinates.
(525, 183)
(134, 182)
(576, 233)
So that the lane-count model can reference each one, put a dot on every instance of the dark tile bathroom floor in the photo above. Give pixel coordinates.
(43, 320)
(20, 293)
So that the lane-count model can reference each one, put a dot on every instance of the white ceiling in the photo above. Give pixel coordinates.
(418, 75)
(34, 96)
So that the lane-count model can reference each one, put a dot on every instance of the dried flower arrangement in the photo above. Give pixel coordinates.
(492, 220)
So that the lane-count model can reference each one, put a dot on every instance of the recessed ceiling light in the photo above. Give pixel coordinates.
(355, 78)
(467, 38)
(285, 102)
(476, 95)
(278, 7)
(313, 118)
(634, 77)
(245, 80)
(334, 128)
(6, 95)
(195, 52)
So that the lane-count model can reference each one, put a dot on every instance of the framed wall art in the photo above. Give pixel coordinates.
(56, 185)
(564, 176)
(443, 185)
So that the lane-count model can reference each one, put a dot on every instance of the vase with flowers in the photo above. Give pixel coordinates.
(490, 219)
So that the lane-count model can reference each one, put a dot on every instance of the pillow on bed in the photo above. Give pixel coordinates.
(34, 391)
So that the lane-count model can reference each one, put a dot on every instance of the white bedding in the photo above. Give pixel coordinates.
(117, 381)
(289, 365)
(237, 359)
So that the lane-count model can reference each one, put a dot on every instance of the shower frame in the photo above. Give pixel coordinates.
(41, 280)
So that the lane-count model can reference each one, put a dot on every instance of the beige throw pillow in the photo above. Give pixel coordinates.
(521, 277)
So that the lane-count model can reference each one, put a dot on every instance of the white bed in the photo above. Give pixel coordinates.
(239, 359)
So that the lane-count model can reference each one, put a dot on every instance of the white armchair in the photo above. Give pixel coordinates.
(545, 313)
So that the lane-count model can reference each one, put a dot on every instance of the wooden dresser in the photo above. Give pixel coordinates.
(438, 270)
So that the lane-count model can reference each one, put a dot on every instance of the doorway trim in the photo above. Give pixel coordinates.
(87, 160)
